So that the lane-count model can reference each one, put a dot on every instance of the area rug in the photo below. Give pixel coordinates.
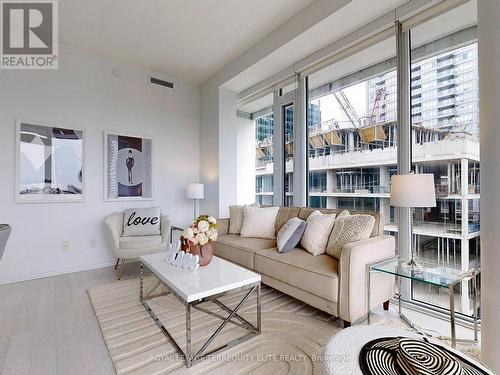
(292, 340)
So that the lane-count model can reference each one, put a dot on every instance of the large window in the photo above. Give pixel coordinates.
(355, 142)
(288, 153)
(352, 127)
(264, 166)
(445, 143)
(273, 119)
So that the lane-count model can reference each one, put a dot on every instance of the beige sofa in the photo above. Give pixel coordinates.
(335, 286)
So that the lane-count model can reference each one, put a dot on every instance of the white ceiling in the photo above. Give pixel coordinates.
(190, 39)
(456, 19)
(349, 18)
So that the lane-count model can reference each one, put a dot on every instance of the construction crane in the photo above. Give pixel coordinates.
(371, 132)
(374, 132)
(378, 104)
(347, 108)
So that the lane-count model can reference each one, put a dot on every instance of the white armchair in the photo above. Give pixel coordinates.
(133, 247)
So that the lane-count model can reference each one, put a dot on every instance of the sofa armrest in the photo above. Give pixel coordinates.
(114, 229)
(223, 227)
(353, 264)
(165, 229)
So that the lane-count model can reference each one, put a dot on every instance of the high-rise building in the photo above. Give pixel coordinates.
(264, 129)
(352, 156)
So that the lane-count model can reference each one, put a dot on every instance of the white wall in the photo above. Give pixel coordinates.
(209, 148)
(84, 94)
(489, 83)
(228, 151)
(245, 140)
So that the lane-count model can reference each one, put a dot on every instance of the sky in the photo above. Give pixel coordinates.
(331, 109)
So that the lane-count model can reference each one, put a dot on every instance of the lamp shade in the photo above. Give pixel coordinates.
(413, 190)
(195, 191)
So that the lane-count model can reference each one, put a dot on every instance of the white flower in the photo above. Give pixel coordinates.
(202, 238)
(203, 226)
(213, 236)
(188, 233)
(196, 230)
(212, 220)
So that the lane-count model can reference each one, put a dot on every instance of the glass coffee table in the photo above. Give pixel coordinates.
(433, 274)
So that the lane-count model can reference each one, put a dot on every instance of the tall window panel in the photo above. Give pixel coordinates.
(352, 132)
(445, 143)
(258, 116)
(288, 153)
(264, 160)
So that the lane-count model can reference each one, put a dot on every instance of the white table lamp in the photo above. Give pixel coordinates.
(196, 192)
(413, 190)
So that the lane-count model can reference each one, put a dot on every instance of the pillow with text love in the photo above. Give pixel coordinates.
(141, 221)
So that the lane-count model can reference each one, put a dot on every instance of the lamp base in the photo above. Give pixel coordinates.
(413, 265)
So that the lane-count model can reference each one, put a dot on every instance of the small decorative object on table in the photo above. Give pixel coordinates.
(198, 237)
(182, 259)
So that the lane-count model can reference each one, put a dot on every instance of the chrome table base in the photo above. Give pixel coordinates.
(189, 356)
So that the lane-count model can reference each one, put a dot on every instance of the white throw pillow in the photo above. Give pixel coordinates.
(141, 221)
(338, 226)
(290, 234)
(235, 219)
(354, 228)
(259, 222)
(318, 229)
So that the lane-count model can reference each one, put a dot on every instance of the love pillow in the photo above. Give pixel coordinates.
(141, 222)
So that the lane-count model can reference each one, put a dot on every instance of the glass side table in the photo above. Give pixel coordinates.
(433, 274)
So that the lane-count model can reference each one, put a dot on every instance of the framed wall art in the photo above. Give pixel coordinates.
(128, 169)
(49, 162)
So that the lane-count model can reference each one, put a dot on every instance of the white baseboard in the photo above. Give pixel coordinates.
(65, 271)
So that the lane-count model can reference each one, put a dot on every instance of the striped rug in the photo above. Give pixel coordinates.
(292, 340)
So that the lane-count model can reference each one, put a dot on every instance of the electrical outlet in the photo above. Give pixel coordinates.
(92, 243)
(65, 245)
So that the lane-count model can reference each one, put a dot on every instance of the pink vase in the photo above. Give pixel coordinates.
(205, 252)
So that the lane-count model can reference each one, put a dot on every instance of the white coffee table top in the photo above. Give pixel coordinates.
(217, 277)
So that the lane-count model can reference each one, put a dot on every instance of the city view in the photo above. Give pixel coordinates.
(352, 140)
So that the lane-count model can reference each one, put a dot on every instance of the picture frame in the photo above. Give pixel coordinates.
(50, 163)
(128, 167)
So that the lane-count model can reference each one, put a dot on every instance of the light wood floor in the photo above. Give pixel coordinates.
(47, 326)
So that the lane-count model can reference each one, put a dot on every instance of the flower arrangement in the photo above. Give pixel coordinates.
(203, 230)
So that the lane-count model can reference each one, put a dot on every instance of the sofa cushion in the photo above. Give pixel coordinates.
(338, 226)
(259, 222)
(314, 274)
(378, 228)
(289, 235)
(240, 250)
(306, 211)
(354, 228)
(318, 229)
(285, 214)
(235, 219)
(137, 242)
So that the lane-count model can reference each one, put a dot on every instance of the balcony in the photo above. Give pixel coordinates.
(378, 191)
(437, 229)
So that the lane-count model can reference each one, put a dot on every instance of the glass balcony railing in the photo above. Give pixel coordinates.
(378, 189)
(260, 189)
